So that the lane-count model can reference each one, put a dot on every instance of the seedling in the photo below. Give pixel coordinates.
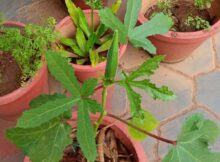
(43, 132)
(203, 4)
(89, 44)
(197, 23)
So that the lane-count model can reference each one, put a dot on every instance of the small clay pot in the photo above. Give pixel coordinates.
(121, 133)
(84, 72)
(13, 104)
(177, 46)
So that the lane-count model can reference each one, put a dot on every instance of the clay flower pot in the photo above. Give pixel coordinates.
(121, 133)
(13, 104)
(179, 45)
(84, 72)
(82, 4)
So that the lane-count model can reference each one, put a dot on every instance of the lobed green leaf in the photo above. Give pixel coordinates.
(85, 132)
(63, 72)
(88, 87)
(43, 143)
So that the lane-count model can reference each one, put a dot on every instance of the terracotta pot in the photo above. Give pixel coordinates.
(84, 72)
(13, 104)
(176, 46)
(121, 133)
(82, 4)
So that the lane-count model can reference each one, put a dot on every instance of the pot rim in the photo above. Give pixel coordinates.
(184, 35)
(18, 93)
(118, 126)
(88, 68)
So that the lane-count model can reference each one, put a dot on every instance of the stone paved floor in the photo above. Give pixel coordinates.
(196, 81)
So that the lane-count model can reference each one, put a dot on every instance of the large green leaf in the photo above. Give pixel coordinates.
(110, 20)
(135, 101)
(143, 43)
(132, 13)
(162, 93)
(147, 68)
(45, 112)
(63, 72)
(88, 87)
(193, 142)
(85, 132)
(112, 58)
(45, 143)
(159, 24)
(148, 123)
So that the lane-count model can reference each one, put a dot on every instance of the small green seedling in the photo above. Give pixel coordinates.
(197, 23)
(203, 4)
(89, 44)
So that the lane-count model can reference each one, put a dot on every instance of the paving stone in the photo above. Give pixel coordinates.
(133, 58)
(217, 45)
(209, 90)
(172, 129)
(177, 83)
(202, 60)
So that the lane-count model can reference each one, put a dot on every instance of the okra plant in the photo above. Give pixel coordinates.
(88, 44)
(43, 131)
(159, 24)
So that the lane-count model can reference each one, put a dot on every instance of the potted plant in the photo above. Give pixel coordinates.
(49, 131)
(23, 72)
(159, 24)
(194, 22)
(86, 39)
(85, 4)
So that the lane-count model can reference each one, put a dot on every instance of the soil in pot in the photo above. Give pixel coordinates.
(180, 11)
(10, 74)
(109, 147)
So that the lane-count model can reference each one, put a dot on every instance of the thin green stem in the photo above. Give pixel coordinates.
(103, 113)
(143, 131)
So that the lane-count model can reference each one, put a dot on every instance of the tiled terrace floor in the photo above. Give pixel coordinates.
(196, 81)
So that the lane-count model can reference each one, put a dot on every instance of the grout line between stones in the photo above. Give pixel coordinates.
(207, 109)
(214, 50)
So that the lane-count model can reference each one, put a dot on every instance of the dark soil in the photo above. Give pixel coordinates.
(109, 147)
(180, 11)
(10, 74)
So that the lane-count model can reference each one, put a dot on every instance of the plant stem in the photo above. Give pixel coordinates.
(103, 113)
(92, 15)
(143, 131)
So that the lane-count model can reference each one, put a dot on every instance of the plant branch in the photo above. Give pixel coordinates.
(143, 131)
(102, 115)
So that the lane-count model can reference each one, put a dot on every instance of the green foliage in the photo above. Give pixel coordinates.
(130, 82)
(95, 4)
(165, 6)
(85, 131)
(197, 23)
(159, 24)
(203, 4)
(87, 43)
(28, 45)
(88, 87)
(194, 140)
(43, 143)
(149, 123)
